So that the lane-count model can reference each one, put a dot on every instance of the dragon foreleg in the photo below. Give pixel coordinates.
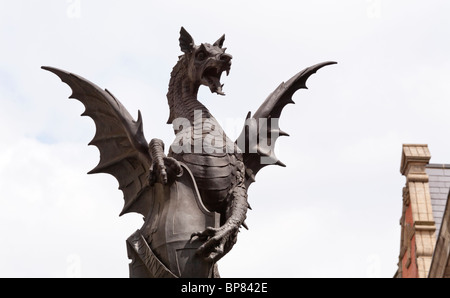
(219, 241)
(163, 169)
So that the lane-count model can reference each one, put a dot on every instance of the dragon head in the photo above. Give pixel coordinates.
(206, 62)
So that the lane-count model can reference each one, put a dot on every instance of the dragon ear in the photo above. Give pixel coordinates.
(219, 42)
(186, 41)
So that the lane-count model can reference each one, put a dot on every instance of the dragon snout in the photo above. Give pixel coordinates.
(225, 57)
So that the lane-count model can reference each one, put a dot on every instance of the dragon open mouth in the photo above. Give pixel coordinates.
(211, 78)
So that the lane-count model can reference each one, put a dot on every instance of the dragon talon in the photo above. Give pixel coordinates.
(193, 235)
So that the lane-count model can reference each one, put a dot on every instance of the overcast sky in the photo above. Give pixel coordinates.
(333, 212)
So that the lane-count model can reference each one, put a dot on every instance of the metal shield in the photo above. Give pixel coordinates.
(177, 212)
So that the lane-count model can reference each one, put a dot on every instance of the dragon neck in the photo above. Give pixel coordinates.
(182, 95)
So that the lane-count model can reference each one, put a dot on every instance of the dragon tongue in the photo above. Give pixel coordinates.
(219, 90)
(215, 85)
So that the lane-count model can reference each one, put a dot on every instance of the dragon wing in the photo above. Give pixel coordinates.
(120, 140)
(260, 132)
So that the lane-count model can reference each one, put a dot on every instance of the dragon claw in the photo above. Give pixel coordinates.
(204, 235)
(165, 170)
(216, 241)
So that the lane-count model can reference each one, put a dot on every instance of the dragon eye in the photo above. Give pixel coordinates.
(201, 56)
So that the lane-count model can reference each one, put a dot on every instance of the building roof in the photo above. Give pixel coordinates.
(439, 182)
(440, 265)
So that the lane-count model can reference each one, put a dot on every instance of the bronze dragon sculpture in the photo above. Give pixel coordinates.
(202, 162)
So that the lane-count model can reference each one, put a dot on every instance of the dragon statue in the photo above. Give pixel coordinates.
(194, 199)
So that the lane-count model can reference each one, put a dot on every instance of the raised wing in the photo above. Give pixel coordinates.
(120, 140)
(261, 131)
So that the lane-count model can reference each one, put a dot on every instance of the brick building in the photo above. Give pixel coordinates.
(425, 221)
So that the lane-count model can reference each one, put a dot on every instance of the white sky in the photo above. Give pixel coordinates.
(333, 212)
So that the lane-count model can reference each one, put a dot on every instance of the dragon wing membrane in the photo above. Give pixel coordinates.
(118, 137)
(254, 152)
